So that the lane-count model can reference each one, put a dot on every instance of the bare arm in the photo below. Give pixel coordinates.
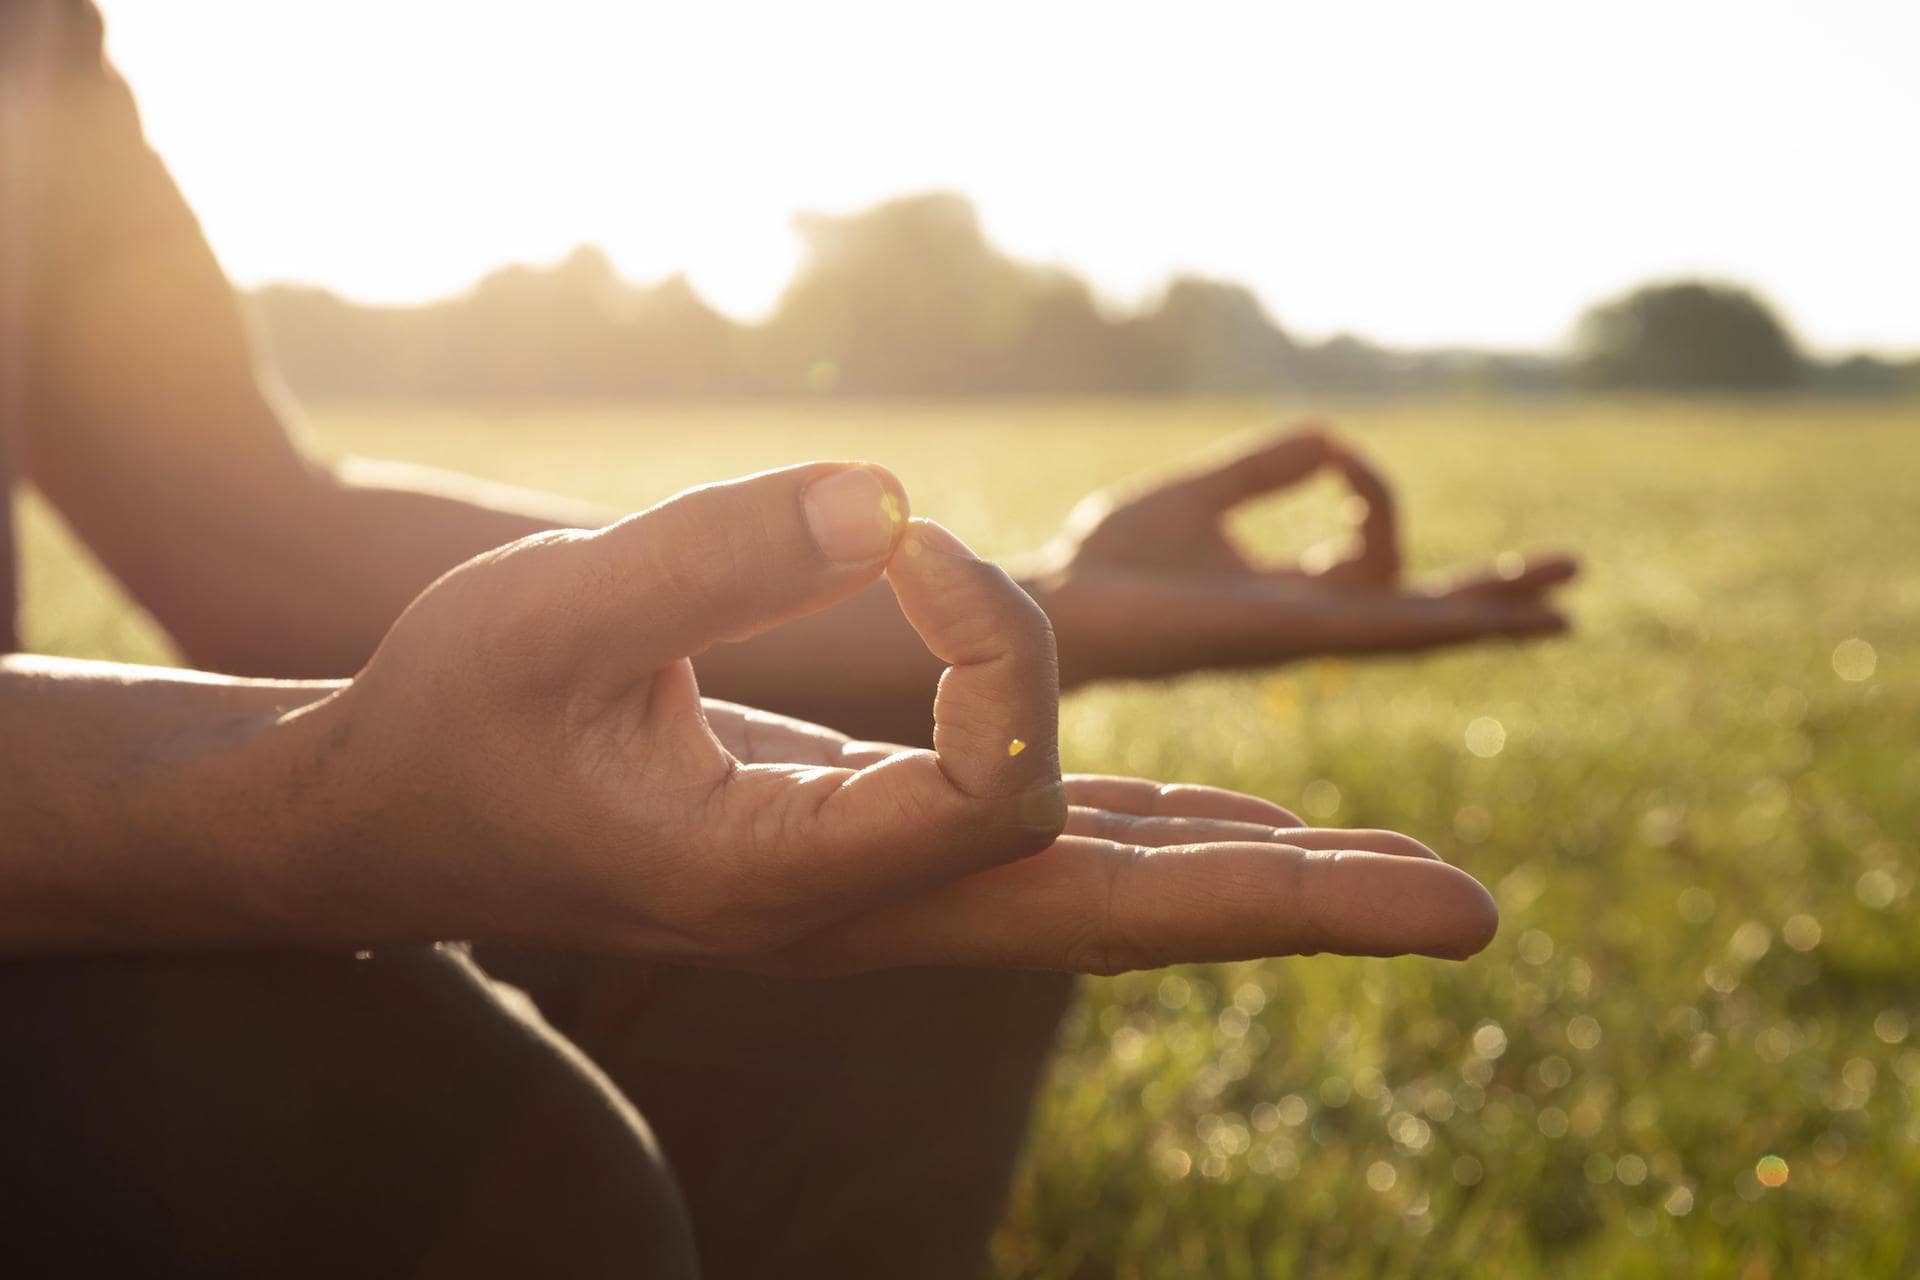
(190, 482)
(114, 831)
(260, 560)
(524, 759)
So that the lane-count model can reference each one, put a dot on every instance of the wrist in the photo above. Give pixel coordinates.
(240, 813)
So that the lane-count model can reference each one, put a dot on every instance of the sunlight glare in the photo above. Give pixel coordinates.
(1419, 174)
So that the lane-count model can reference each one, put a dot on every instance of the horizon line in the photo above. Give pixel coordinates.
(1113, 308)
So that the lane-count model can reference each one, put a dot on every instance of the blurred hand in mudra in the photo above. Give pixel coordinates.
(1146, 580)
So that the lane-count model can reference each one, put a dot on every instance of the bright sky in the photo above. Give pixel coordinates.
(1472, 172)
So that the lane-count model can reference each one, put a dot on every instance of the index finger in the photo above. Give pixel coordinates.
(1244, 471)
(990, 791)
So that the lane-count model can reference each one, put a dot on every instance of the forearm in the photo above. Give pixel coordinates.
(135, 806)
(349, 548)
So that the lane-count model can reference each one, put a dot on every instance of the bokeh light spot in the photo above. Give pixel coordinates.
(1536, 947)
(1801, 932)
(1472, 823)
(1854, 659)
(1320, 798)
(1750, 941)
(1876, 889)
(1696, 905)
(1486, 737)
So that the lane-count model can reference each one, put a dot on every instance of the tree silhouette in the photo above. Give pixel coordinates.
(909, 297)
(1685, 336)
(1214, 337)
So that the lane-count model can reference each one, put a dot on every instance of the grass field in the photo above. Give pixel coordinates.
(1694, 1047)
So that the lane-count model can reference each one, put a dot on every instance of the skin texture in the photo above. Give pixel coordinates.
(526, 758)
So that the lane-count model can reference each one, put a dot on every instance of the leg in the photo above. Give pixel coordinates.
(856, 1127)
(313, 1115)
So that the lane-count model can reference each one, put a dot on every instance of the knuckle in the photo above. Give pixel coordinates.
(991, 615)
(1099, 941)
(1308, 877)
(503, 602)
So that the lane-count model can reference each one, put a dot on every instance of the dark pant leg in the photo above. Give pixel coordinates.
(312, 1115)
(852, 1127)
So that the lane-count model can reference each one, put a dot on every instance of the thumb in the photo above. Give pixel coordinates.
(726, 561)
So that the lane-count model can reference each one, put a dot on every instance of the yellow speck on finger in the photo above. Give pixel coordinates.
(1015, 747)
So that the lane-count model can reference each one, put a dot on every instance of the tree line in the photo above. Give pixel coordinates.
(910, 298)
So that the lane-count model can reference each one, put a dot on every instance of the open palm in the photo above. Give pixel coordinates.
(1145, 874)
